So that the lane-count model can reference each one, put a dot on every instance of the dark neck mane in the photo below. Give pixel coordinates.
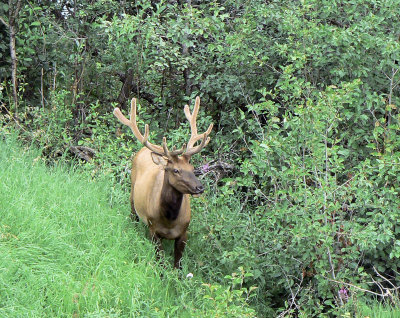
(171, 200)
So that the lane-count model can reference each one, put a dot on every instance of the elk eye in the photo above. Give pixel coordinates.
(176, 171)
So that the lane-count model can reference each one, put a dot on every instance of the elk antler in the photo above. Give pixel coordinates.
(191, 117)
(132, 124)
(163, 150)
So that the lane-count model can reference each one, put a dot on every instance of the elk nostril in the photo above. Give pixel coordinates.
(200, 188)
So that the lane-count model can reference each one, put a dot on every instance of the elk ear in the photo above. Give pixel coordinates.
(159, 159)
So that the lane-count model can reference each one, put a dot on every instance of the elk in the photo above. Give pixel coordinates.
(162, 182)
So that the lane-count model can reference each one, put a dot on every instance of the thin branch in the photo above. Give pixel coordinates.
(387, 293)
(15, 119)
(18, 7)
(384, 278)
(293, 296)
(4, 22)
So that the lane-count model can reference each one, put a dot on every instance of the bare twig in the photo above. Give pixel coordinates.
(41, 88)
(386, 292)
(293, 296)
(4, 22)
(15, 119)
(385, 279)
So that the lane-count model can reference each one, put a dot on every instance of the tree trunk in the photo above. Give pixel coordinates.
(185, 53)
(129, 85)
(13, 12)
(127, 80)
(13, 53)
(186, 72)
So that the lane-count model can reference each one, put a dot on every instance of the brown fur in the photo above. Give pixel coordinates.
(161, 199)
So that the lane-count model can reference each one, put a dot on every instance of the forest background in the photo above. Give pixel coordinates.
(303, 167)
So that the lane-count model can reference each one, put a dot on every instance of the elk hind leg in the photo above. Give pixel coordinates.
(134, 216)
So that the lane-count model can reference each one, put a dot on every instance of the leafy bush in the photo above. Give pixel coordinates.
(308, 214)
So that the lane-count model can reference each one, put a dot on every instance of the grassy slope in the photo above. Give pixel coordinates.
(376, 310)
(66, 252)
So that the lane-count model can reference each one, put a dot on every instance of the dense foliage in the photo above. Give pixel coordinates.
(304, 96)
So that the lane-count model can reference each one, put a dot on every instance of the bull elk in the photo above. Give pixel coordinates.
(163, 180)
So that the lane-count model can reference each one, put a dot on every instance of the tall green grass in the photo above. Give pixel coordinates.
(376, 310)
(68, 249)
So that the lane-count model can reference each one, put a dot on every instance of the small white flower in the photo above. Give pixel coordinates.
(190, 275)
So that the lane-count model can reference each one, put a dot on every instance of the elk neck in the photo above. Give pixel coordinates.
(171, 200)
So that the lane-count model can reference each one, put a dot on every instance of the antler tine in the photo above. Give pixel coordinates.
(198, 137)
(146, 143)
(174, 152)
(133, 121)
(194, 150)
(178, 151)
(192, 117)
(133, 126)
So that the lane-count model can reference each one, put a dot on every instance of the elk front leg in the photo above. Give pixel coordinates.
(180, 244)
(156, 239)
